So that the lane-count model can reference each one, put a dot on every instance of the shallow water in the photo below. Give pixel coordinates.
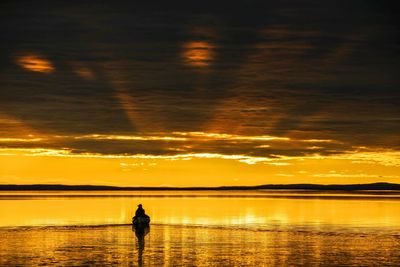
(168, 245)
(200, 229)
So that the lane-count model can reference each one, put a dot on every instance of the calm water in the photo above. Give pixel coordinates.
(200, 229)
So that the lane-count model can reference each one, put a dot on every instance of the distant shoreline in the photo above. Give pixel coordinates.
(318, 187)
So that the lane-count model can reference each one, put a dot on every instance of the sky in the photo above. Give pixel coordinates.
(199, 93)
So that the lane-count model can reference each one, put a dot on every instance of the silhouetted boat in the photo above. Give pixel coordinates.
(142, 221)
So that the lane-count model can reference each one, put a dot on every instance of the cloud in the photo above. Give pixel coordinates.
(35, 63)
(249, 82)
(246, 149)
(19, 140)
(257, 147)
(198, 53)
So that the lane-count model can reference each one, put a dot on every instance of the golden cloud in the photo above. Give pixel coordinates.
(198, 53)
(35, 63)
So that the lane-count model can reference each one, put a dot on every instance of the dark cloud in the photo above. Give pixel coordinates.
(309, 69)
(182, 144)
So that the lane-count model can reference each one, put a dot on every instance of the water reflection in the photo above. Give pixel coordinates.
(223, 209)
(140, 232)
(194, 246)
(202, 229)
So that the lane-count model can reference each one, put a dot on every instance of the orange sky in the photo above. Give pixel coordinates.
(26, 167)
(182, 96)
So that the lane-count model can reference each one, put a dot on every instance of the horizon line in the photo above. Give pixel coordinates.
(298, 186)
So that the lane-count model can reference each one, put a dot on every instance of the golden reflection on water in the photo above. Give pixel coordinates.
(193, 246)
(238, 209)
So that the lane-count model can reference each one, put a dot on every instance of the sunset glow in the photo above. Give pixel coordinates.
(199, 133)
(206, 101)
(35, 63)
(198, 53)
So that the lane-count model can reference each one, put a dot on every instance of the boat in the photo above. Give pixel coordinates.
(141, 221)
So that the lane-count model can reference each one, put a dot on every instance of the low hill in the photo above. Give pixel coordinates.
(340, 187)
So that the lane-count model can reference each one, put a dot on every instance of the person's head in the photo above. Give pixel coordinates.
(140, 205)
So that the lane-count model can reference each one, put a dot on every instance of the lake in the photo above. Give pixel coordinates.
(200, 228)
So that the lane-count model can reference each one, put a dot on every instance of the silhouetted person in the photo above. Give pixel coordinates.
(140, 211)
(140, 214)
(141, 228)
